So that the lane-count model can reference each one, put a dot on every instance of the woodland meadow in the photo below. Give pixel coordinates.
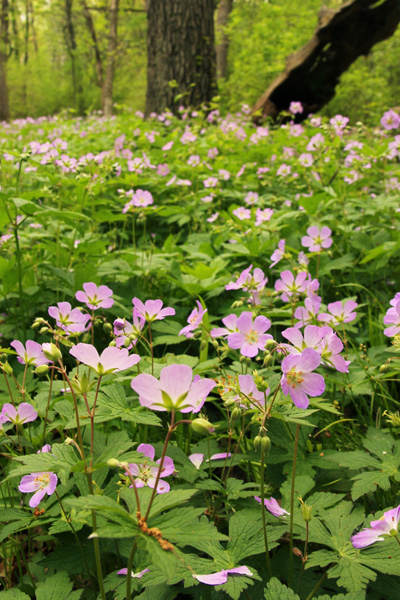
(200, 300)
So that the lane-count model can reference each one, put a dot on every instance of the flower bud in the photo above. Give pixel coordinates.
(243, 359)
(197, 335)
(113, 463)
(248, 361)
(215, 344)
(41, 370)
(270, 344)
(265, 444)
(257, 442)
(112, 344)
(43, 330)
(127, 342)
(203, 344)
(306, 510)
(268, 360)
(384, 368)
(51, 351)
(202, 426)
(3, 357)
(7, 368)
(237, 304)
(107, 328)
(236, 413)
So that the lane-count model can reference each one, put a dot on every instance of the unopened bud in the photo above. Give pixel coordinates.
(7, 368)
(203, 344)
(268, 360)
(257, 442)
(306, 509)
(107, 328)
(127, 342)
(237, 304)
(202, 426)
(197, 335)
(270, 344)
(68, 441)
(113, 463)
(243, 359)
(43, 330)
(112, 344)
(3, 357)
(215, 344)
(384, 368)
(265, 443)
(41, 370)
(248, 361)
(298, 553)
(236, 413)
(51, 351)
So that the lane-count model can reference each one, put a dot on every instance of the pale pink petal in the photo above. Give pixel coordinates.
(175, 380)
(147, 450)
(86, 354)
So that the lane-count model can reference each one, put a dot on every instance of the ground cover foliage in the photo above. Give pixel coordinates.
(170, 288)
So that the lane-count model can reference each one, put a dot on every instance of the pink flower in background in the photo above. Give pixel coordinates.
(251, 336)
(307, 314)
(195, 318)
(339, 123)
(312, 285)
(248, 391)
(24, 413)
(392, 318)
(263, 215)
(125, 331)
(224, 174)
(167, 146)
(298, 380)
(288, 285)
(252, 198)
(388, 524)
(296, 108)
(95, 297)
(30, 354)
(146, 475)
(142, 198)
(41, 484)
(176, 389)
(339, 313)
(273, 507)
(152, 310)
(317, 239)
(222, 576)
(278, 254)
(111, 359)
(71, 320)
(322, 339)
(390, 120)
(230, 327)
(284, 170)
(242, 213)
(213, 217)
(210, 182)
(163, 170)
(306, 159)
(135, 575)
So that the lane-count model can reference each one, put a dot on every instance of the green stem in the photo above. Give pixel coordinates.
(129, 570)
(267, 557)
(47, 407)
(318, 585)
(296, 443)
(96, 542)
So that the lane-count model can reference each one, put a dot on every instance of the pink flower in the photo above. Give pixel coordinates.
(306, 159)
(248, 394)
(213, 217)
(242, 213)
(298, 380)
(317, 239)
(163, 170)
(126, 332)
(263, 215)
(196, 460)
(322, 339)
(40, 483)
(230, 327)
(392, 318)
(339, 313)
(111, 359)
(222, 576)
(71, 320)
(152, 310)
(251, 198)
(273, 507)
(390, 120)
(278, 254)
(388, 524)
(210, 182)
(195, 318)
(146, 475)
(251, 336)
(249, 282)
(307, 314)
(296, 108)
(140, 199)
(30, 354)
(284, 170)
(95, 297)
(25, 413)
(176, 389)
(288, 285)
(135, 575)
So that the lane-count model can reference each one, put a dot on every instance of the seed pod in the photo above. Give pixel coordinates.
(266, 444)
(257, 442)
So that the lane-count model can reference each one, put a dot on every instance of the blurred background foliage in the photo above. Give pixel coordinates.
(262, 34)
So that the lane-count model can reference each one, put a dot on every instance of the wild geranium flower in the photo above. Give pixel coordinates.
(195, 318)
(263, 216)
(392, 318)
(176, 389)
(95, 297)
(24, 413)
(230, 327)
(307, 314)
(71, 320)
(253, 283)
(251, 198)
(278, 254)
(146, 475)
(152, 310)
(246, 393)
(298, 379)
(40, 483)
(111, 359)
(339, 313)
(317, 239)
(390, 120)
(135, 575)
(30, 354)
(303, 259)
(197, 459)
(322, 339)
(127, 334)
(388, 525)
(296, 108)
(251, 336)
(312, 285)
(288, 285)
(242, 213)
(222, 576)
(273, 507)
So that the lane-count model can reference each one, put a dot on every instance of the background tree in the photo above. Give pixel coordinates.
(181, 67)
(4, 109)
(222, 37)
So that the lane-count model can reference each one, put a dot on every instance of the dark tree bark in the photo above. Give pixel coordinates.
(222, 47)
(70, 40)
(110, 63)
(180, 54)
(4, 108)
(312, 73)
(97, 53)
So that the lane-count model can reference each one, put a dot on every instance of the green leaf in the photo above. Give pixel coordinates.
(61, 458)
(112, 404)
(276, 590)
(13, 594)
(247, 537)
(57, 587)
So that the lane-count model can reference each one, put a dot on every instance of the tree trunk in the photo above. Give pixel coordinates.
(70, 40)
(222, 47)
(180, 54)
(96, 48)
(4, 108)
(111, 54)
(312, 73)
